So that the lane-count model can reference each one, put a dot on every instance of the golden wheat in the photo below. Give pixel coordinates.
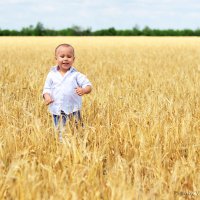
(142, 120)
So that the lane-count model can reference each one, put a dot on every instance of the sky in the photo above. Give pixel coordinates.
(100, 14)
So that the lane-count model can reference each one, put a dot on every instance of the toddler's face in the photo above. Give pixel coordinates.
(64, 57)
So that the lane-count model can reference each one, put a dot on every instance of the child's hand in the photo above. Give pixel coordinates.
(80, 91)
(47, 99)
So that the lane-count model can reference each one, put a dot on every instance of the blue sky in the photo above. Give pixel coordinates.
(99, 14)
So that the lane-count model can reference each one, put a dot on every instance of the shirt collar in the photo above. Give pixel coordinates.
(55, 69)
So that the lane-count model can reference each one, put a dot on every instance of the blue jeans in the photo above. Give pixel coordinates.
(76, 115)
(59, 125)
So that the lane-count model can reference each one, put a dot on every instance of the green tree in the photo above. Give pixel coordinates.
(39, 29)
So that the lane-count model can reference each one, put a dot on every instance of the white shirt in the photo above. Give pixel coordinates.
(62, 90)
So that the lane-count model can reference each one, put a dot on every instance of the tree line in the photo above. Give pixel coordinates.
(40, 30)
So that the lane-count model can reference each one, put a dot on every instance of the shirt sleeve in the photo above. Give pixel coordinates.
(83, 81)
(47, 85)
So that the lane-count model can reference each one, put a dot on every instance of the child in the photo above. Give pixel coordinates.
(64, 87)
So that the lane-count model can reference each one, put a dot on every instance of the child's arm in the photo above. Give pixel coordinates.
(47, 91)
(47, 99)
(81, 91)
(84, 85)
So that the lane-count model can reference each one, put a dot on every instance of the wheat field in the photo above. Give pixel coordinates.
(142, 120)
